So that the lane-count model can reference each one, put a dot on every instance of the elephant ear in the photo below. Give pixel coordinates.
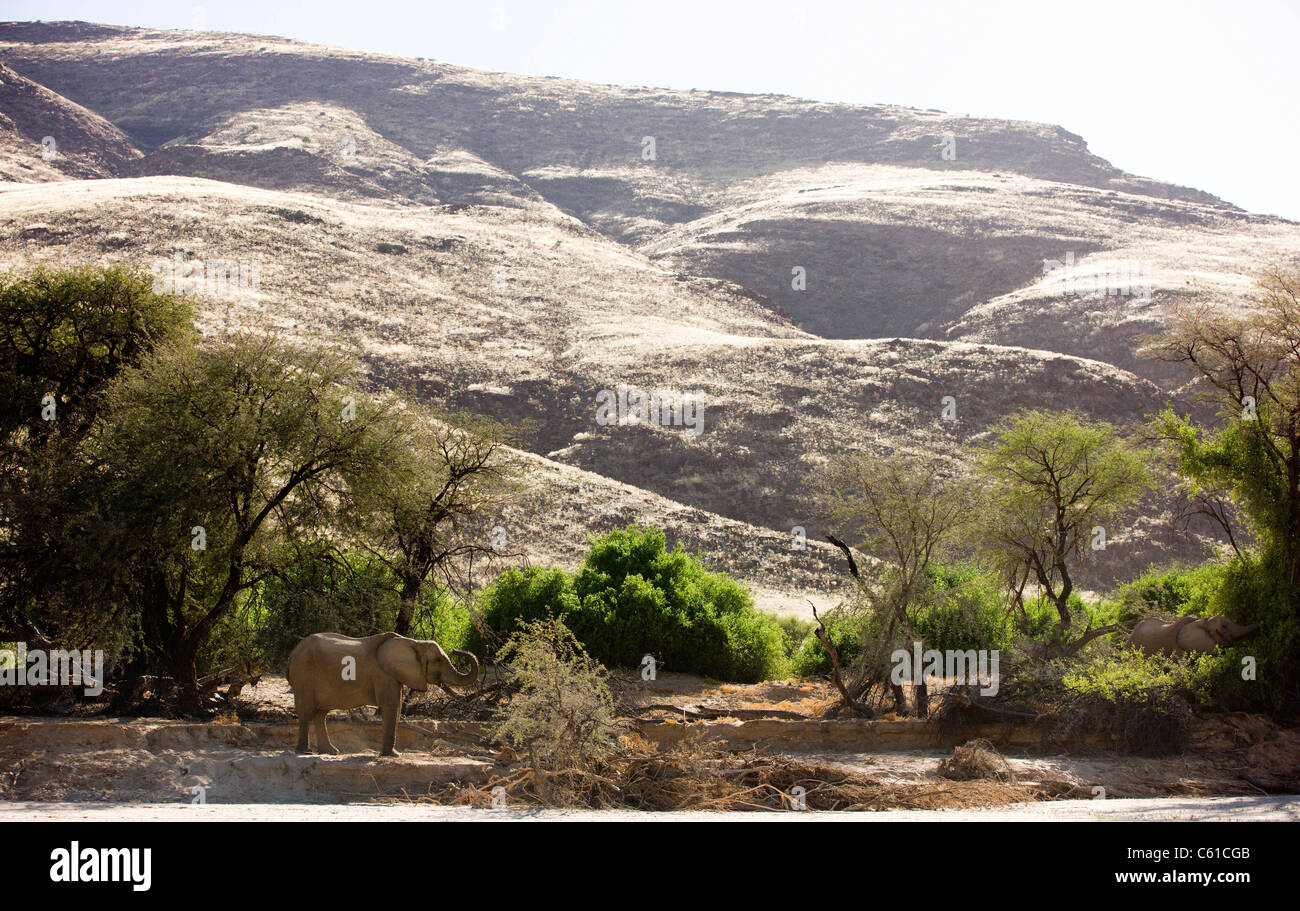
(397, 658)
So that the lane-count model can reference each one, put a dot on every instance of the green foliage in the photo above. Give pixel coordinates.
(811, 658)
(1142, 701)
(958, 607)
(316, 588)
(1128, 676)
(1243, 471)
(1180, 591)
(1048, 480)
(1245, 589)
(795, 630)
(963, 610)
(516, 597)
(632, 597)
(68, 333)
(639, 597)
(445, 620)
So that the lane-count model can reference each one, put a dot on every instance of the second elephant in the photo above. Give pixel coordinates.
(1187, 635)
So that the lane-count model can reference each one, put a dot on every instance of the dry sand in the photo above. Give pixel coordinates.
(1203, 809)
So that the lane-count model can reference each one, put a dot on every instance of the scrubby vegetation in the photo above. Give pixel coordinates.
(1051, 487)
(177, 501)
(561, 713)
(194, 506)
(632, 597)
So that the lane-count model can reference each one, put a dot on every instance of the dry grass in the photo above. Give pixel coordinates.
(695, 776)
(977, 760)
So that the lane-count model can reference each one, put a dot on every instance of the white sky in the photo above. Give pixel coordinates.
(1195, 93)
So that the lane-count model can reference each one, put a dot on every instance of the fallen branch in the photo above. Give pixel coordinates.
(1093, 634)
(861, 708)
(848, 554)
(707, 713)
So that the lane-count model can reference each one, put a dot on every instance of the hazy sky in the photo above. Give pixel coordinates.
(1201, 94)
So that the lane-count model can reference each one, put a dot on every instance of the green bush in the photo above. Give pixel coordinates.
(314, 589)
(444, 619)
(633, 596)
(1251, 591)
(518, 596)
(963, 610)
(639, 597)
(1128, 677)
(1180, 591)
(810, 659)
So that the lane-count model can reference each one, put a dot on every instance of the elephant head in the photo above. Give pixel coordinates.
(418, 663)
(1223, 631)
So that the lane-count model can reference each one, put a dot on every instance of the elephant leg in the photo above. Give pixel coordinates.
(323, 744)
(304, 722)
(305, 712)
(391, 709)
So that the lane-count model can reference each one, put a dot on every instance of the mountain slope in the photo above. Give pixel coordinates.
(507, 245)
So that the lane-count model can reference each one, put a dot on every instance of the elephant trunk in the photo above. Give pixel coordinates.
(470, 677)
(1241, 632)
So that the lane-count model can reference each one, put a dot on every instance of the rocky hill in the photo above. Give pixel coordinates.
(817, 276)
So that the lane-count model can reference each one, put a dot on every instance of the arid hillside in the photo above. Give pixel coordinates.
(816, 277)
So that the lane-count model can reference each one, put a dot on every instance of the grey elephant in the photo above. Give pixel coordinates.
(329, 671)
(1187, 634)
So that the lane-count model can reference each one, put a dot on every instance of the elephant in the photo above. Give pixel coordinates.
(1187, 634)
(330, 671)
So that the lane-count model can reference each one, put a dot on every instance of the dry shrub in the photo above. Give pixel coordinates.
(1155, 727)
(977, 760)
(560, 715)
(696, 776)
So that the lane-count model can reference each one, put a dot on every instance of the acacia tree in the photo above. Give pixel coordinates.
(428, 513)
(1048, 481)
(1249, 367)
(212, 456)
(906, 513)
(65, 335)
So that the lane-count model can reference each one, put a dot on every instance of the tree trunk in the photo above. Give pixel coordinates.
(185, 670)
(409, 594)
(900, 698)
